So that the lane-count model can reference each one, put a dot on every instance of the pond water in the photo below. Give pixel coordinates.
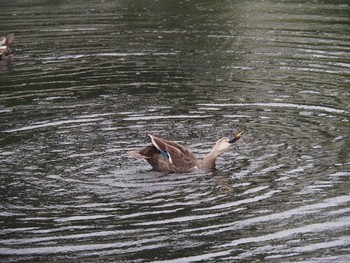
(91, 78)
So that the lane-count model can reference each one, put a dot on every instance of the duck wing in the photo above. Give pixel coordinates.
(177, 154)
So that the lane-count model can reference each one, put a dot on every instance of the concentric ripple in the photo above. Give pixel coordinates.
(91, 79)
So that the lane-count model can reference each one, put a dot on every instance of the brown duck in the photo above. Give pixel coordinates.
(171, 157)
(5, 42)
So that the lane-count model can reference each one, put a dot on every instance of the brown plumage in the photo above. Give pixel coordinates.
(172, 157)
(5, 43)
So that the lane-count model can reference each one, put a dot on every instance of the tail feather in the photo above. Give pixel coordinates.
(137, 154)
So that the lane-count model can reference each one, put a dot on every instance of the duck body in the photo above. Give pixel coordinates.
(171, 157)
(5, 43)
(167, 156)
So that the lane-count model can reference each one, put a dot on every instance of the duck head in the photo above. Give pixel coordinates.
(224, 143)
(2, 41)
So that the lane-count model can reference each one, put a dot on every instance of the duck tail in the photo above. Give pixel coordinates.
(137, 154)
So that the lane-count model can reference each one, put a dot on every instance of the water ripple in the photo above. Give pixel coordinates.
(91, 80)
(279, 105)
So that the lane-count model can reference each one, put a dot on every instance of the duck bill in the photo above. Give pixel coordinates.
(237, 137)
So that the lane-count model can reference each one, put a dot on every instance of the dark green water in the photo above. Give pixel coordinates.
(91, 78)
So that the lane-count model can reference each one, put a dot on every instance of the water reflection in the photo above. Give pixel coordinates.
(91, 78)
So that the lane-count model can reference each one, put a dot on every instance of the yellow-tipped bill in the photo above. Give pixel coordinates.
(237, 137)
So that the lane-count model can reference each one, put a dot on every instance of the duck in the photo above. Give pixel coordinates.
(5, 43)
(171, 157)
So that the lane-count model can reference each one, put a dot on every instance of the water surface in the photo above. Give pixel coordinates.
(91, 78)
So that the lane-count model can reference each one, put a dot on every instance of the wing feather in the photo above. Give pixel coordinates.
(179, 155)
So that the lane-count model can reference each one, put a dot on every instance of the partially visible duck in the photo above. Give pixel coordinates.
(171, 157)
(5, 43)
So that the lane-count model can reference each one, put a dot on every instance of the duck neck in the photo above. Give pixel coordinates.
(209, 161)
